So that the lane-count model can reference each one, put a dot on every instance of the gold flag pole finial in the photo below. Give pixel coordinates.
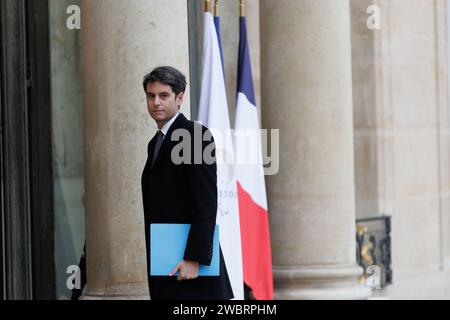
(207, 6)
(242, 7)
(216, 8)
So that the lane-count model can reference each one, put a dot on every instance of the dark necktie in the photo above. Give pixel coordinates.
(159, 141)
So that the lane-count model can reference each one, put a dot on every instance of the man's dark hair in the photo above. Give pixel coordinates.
(168, 76)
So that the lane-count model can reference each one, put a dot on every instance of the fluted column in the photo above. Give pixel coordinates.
(307, 94)
(120, 44)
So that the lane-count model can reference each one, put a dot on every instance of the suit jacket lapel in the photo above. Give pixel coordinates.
(151, 148)
(148, 164)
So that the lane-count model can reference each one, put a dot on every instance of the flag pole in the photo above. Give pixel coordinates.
(207, 6)
(216, 8)
(242, 8)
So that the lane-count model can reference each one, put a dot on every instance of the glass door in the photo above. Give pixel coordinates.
(27, 242)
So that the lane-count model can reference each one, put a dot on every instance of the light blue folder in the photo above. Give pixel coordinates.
(167, 246)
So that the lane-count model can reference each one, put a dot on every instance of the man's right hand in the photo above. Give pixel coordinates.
(188, 270)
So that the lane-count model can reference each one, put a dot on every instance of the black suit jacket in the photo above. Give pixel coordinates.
(183, 193)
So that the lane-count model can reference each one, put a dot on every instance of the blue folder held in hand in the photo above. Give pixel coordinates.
(167, 246)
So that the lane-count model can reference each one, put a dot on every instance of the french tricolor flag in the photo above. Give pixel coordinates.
(253, 213)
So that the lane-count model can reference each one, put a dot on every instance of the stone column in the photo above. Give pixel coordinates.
(120, 44)
(307, 94)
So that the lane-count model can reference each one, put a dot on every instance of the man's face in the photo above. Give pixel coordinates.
(162, 103)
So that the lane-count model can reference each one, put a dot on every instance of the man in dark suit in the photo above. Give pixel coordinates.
(183, 193)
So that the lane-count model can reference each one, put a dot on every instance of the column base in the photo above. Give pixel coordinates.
(127, 291)
(319, 283)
